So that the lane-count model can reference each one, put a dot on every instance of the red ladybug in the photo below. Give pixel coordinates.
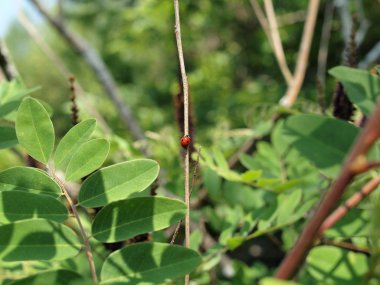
(185, 141)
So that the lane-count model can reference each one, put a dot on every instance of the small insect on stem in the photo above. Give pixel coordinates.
(185, 141)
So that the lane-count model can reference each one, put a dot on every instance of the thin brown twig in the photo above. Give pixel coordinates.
(270, 29)
(276, 40)
(6, 66)
(185, 85)
(351, 203)
(303, 54)
(81, 228)
(368, 136)
(191, 191)
(262, 20)
(346, 245)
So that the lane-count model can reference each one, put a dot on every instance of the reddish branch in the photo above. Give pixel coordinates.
(295, 258)
(349, 204)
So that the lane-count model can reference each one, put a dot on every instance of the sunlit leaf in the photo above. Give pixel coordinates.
(8, 137)
(21, 205)
(70, 143)
(34, 129)
(334, 265)
(321, 140)
(127, 218)
(361, 86)
(28, 179)
(274, 281)
(149, 262)
(58, 277)
(117, 182)
(89, 157)
(37, 240)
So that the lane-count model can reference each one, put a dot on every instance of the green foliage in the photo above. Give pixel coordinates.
(58, 277)
(32, 215)
(321, 140)
(362, 87)
(37, 240)
(273, 281)
(148, 262)
(249, 212)
(70, 143)
(28, 179)
(127, 218)
(34, 129)
(11, 94)
(8, 137)
(332, 265)
(87, 158)
(117, 182)
(30, 206)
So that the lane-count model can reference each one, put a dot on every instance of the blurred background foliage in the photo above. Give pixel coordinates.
(235, 87)
(231, 67)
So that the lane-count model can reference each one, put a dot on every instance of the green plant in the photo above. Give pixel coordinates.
(35, 224)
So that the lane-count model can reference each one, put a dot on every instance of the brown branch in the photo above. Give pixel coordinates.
(351, 203)
(291, 18)
(346, 245)
(191, 191)
(81, 228)
(270, 29)
(303, 54)
(6, 66)
(185, 85)
(101, 71)
(262, 20)
(293, 260)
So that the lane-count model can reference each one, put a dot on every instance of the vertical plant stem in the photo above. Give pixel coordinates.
(291, 94)
(276, 40)
(81, 229)
(185, 85)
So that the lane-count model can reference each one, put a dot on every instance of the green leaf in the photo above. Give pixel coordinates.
(8, 137)
(235, 242)
(58, 277)
(361, 86)
(34, 129)
(221, 162)
(28, 179)
(321, 140)
(88, 157)
(274, 281)
(20, 205)
(37, 240)
(334, 265)
(251, 175)
(69, 144)
(149, 262)
(288, 203)
(117, 182)
(11, 94)
(356, 223)
(127, 218)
